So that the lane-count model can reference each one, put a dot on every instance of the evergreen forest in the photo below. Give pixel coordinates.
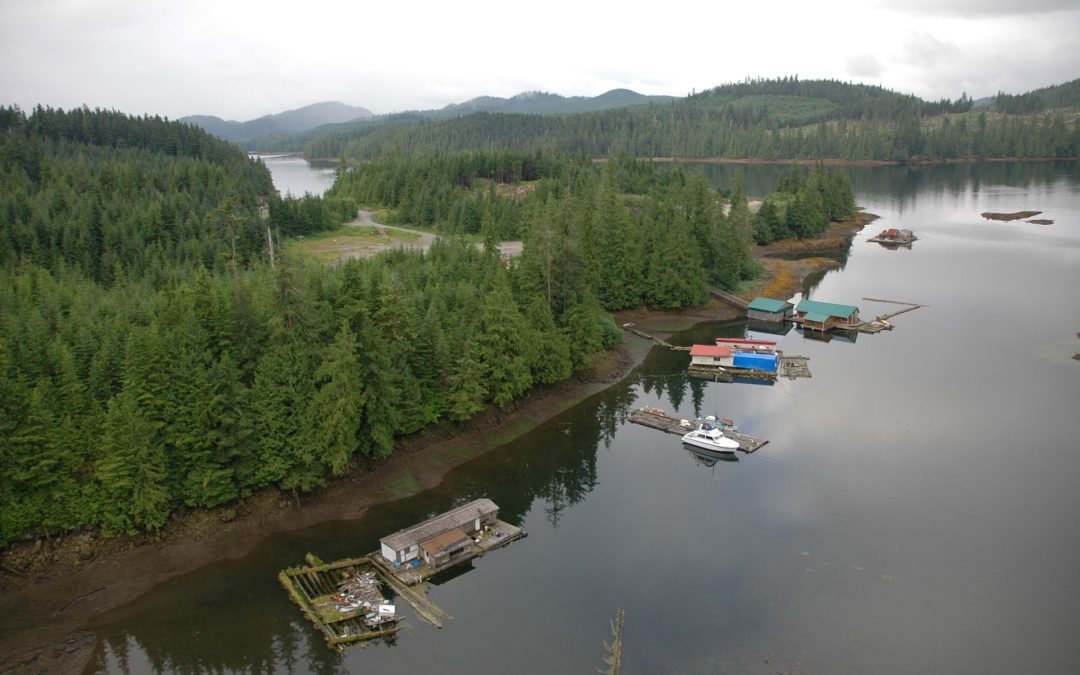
(163, 347)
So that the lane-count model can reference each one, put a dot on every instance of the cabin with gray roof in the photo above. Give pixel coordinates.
(823, 316)
(441, 540)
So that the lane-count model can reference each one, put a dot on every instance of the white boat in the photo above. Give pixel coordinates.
(711, 439)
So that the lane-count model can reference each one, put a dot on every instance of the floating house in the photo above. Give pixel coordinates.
(735, 358)
(442, 540)
(823, 316)
(711, 356)
(770, 310)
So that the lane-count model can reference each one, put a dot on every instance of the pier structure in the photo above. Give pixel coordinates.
(655, 418)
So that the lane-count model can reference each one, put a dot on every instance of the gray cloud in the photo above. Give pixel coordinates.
(926, 51)
(864, 65)
(979, 8)
(242, 59)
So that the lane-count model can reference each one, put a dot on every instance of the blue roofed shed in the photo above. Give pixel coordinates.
(750, 361)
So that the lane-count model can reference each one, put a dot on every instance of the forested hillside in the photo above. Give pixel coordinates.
(152, 358)
(544, 103)
(634, 234)
(1048, 98)
(764, 119)
(527, 103)
(155, 356)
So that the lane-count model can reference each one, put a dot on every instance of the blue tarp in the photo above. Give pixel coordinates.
(766, 362)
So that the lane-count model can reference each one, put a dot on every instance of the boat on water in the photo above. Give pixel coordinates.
(710, 439)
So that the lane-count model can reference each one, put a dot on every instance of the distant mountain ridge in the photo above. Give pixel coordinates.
(544, 103)
(525, 103)
(288, 122)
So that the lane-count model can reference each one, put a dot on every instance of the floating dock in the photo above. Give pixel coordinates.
(344, 599)
(791, 367)
(321, 591)
(417, 571)
(877, 324)
(658, 419)
(881, 321)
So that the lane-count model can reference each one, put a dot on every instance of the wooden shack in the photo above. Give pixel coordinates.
(441, 540)
(770, 310)
(823, 316)
(711, 356)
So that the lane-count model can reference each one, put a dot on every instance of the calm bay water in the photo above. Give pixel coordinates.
(915, 510)
(297, 176)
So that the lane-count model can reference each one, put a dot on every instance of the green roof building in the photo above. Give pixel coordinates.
(825, 315)
(768, 309)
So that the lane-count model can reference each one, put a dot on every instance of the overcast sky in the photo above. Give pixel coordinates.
(240, 59)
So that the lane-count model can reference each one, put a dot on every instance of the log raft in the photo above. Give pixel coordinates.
(658, 419)
(313, 587)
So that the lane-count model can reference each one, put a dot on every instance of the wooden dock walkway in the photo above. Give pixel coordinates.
(658, 419)
(640, 333)
(881, 321)
(888, 315)
(733, 300)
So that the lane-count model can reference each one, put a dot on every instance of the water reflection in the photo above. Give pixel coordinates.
(293, 175)
(709, 459)
(902, 187)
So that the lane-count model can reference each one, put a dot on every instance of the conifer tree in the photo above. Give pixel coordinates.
(503, 345)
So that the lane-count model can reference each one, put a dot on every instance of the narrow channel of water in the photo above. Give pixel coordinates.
(915, 510)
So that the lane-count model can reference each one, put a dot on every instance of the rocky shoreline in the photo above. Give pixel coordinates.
(51, 589)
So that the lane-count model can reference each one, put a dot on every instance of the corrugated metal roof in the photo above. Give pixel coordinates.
(827, 308)
(462, 515)
(816, 317)
(756, 361)
(446, 540)
(769, 305)
(710, 350)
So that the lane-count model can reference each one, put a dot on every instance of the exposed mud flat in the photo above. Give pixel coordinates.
(1006, 217)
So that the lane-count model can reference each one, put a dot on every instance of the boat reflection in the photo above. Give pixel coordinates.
(708, 458)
